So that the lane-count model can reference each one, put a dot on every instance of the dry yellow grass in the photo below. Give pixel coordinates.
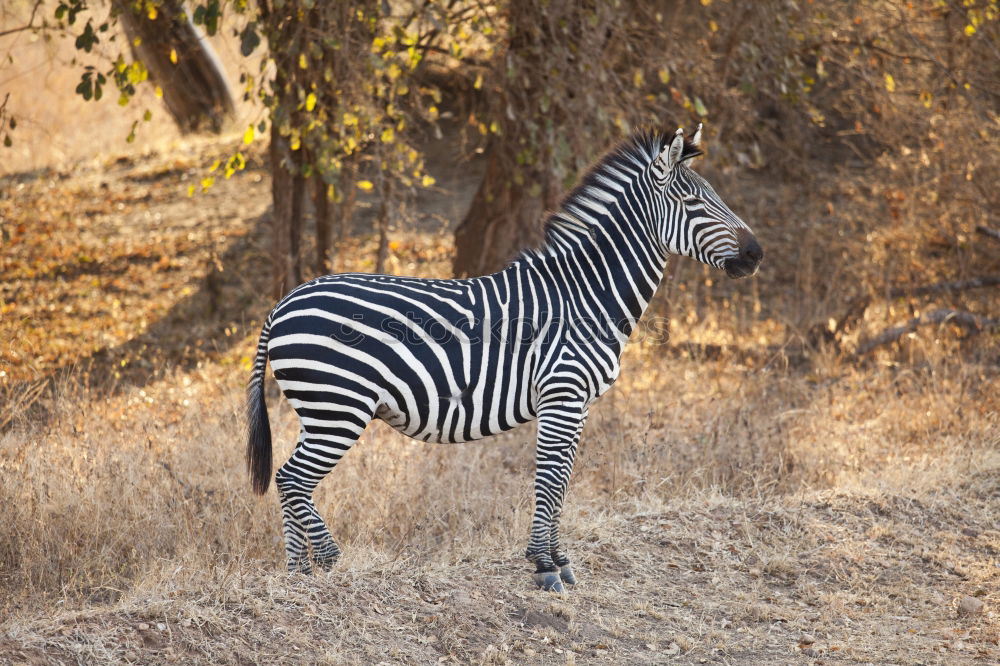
(717, 513)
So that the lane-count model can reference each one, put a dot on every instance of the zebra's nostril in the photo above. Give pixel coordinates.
(753, 251)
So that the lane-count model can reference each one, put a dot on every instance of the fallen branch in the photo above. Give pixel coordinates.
(989, 233)
(937, 288)
(972, 323)
(858, 306)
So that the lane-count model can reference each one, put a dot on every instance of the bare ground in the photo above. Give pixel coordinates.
(825, 577)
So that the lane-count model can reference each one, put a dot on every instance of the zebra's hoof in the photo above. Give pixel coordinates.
(566, 573)
(325, 563)
(549, 581)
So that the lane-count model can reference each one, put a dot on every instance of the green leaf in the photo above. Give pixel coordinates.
(87, 38)
(249, 39)
(86, 87)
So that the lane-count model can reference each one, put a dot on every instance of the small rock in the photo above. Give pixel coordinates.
(970, 532)
(810, 652)
(160, 626)
(970, 606)
(143, 626)
(807, 639)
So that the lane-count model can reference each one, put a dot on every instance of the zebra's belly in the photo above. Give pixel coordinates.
(457, 423)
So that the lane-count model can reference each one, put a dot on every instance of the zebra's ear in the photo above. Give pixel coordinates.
(671, 155)
(696, 139)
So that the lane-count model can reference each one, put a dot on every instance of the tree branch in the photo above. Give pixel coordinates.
(972, 323)
(857, 307)
(29, 26)
(989, 233)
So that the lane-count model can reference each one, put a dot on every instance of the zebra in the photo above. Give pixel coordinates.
(455, 360)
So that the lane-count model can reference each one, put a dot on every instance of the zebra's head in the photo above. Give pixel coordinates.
(696, 222)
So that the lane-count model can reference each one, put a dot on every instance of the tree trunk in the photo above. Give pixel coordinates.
(502, 219)
(321, 204)
(181, 62)
(281, 214)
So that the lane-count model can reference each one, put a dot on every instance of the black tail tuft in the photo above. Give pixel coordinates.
(258, 425)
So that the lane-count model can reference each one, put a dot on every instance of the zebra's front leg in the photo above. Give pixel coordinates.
(559, 427)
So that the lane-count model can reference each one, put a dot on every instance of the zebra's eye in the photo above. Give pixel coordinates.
(692, 199)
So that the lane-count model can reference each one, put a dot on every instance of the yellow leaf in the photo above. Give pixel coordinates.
(248, 135)
(190, 190)
(158, 91)
(151, 12)
(310, 101)
(890, 83)
(207, 183)
(388, 135)
(926, 98)
(302, 61)
(365, 185)
(706, 3)
(970, 30)
(664, 75)
(350, 119)
(479, 82)
(713, 26)
(394, 72)
(215, 165)
(427, 181)
(393, 245)
(637, 78)
(173, 56)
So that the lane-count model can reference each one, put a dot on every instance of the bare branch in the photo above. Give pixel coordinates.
(988, 232)
(858, 306)
(970, 322)
(30, 25)
(940, 287)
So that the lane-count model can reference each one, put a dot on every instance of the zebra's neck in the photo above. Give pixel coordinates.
(608, 268)
(601, 243)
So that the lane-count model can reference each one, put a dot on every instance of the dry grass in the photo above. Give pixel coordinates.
(717, 513)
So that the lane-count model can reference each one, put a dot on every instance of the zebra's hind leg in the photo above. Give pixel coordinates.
(322, 443)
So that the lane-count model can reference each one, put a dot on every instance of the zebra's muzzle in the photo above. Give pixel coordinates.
(748, 260)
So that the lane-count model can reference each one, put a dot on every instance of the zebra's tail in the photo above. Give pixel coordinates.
(258, 425)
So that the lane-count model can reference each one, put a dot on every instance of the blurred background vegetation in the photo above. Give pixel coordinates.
(883, 114)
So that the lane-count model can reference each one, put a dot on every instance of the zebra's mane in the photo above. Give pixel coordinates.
(632, 155)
